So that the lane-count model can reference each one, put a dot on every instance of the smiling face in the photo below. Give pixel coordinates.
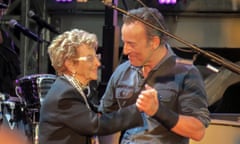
(85, 65)
(136, 44)
(87, 70)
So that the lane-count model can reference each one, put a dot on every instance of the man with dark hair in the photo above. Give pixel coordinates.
(183, 110)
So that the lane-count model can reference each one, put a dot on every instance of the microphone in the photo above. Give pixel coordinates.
(41, 22)
(14, 24)
(3, 6)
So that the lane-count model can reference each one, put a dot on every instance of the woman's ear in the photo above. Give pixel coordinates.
(68, 64)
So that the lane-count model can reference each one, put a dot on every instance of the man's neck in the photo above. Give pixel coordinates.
(157, 56)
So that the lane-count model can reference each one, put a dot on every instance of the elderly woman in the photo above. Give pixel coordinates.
(66, 115)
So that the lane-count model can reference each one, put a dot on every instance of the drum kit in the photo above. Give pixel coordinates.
(21, 112)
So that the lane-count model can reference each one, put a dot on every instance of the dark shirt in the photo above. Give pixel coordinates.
(65, 118)
(179, 86)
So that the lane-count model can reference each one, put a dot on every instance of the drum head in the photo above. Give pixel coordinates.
(33, 88)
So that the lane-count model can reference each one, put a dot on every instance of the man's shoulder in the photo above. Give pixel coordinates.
(121, 69)
(186, 64)
(123, 66)
(183, 61)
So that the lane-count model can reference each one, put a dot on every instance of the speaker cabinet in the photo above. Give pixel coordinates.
(221, 131)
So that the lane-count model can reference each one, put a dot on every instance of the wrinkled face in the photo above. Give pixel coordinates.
(86, 64)
(136, 44)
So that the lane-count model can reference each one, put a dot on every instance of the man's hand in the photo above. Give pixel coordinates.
(148, 101)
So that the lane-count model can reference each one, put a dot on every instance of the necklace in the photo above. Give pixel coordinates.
(79, 88)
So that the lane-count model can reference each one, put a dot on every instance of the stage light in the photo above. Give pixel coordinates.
(64, 0)
(171, 2)
(82, 1)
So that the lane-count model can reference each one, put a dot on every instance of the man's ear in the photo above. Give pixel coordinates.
(155, 42)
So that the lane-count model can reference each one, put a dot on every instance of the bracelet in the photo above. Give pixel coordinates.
(167, 117)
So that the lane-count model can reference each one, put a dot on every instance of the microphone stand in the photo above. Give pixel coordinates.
(213, 57)
(39, 50)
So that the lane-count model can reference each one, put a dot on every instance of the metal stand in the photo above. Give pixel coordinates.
(34, 125)
(212, 56)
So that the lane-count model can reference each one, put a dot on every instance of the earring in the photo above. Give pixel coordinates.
(74, 74)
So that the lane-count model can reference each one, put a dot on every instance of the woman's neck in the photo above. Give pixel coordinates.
(81, 81)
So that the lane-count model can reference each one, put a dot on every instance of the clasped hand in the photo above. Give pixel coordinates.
(148, 101)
